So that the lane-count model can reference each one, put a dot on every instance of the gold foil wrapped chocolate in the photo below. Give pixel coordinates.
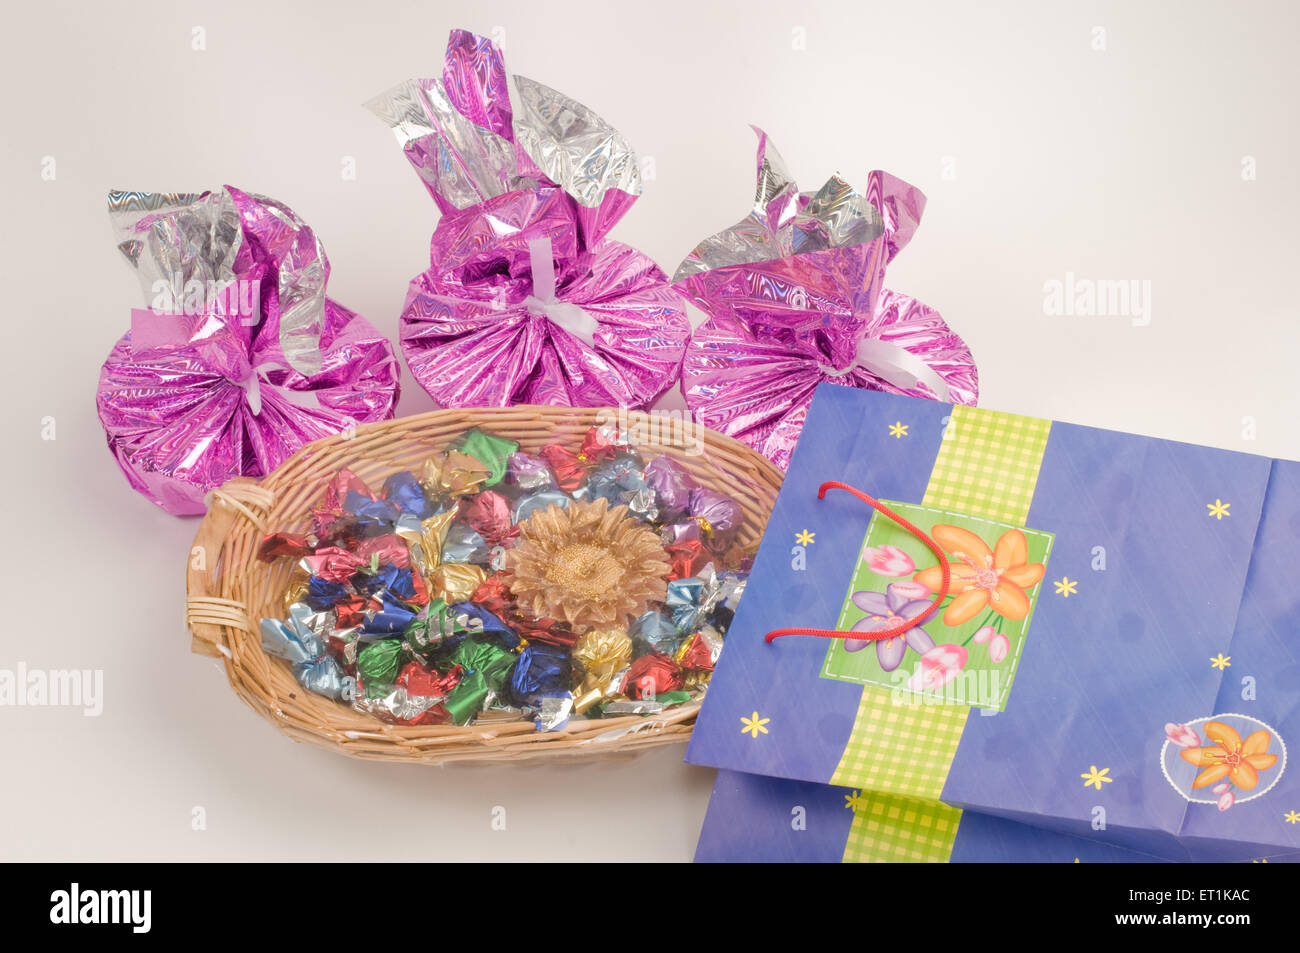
(602, 654)
(455, 582)
(452, 473)
(695, 681)
(425, 543)
(296, 591)
(586, 564)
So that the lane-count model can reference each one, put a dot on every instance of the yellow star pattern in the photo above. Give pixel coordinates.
(1096, 778)
(805, 538)
(898, 430)
(1221, 661)
(854, 801)
(1065, 586)
(754, 725)
(1218, 509)
(1291, 817)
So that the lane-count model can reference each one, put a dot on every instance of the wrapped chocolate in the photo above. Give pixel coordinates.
(526, 300)
(542, 670)
(465, 545)
(568, 468)
(303, 639)
(486, 666)
(492, 451)
(454, 473)
(241, 358)
(526, 506)
(655, 631)
(598, 608)
(431, 628)
(652, 675)
(716, 514)
(672, 486)
(530, 474)
(488, 514)
(794, 296)
(377, 665)
(426, 539)
(603, 656)
(456, 582)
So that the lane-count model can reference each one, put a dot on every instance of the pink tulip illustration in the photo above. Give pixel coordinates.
(1226, 800)
(889, 561)
(984, 634)
(1182, 735)
(938, 667)
(999, 646)
(910, 589)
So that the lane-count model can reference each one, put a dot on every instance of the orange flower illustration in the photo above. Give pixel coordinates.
(981, 577)
(1230, 757)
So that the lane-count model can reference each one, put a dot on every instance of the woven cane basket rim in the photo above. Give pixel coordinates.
(229, 590)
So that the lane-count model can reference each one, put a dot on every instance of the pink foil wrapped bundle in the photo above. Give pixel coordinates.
(794, 295)
(525, 299)
(241, 358)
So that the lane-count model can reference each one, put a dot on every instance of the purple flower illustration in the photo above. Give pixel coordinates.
(886, 610)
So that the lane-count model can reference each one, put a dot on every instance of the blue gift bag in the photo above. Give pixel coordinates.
(1115, 653)
(758, 819)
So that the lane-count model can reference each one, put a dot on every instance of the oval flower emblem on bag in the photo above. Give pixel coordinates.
(1222, 760)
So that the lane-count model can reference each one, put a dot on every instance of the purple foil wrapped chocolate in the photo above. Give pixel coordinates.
(525, 299)
(241, 358)
(794, 296)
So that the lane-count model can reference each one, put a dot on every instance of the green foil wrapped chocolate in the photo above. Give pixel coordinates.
(493, 452)
(377, 666)
(486, 667)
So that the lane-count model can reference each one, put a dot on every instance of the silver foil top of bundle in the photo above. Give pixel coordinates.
(465, 161)
(575, 148)
(457, 159)
(174, 239)
(785, 222)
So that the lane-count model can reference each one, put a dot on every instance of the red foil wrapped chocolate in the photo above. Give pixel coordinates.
(655, 674)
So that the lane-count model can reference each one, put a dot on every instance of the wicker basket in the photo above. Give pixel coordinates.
(229, 590)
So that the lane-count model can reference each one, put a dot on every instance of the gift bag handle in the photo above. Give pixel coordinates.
(895, 630)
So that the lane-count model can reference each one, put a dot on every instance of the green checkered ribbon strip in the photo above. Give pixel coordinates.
(899, 751)
(899, 830)
(988, 465)
(900, 745)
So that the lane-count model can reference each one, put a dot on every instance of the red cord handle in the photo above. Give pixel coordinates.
(902, 627)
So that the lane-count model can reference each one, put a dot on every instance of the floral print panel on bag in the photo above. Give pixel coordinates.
(968, 651)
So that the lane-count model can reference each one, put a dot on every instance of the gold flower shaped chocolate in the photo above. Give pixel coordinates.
(586, 564)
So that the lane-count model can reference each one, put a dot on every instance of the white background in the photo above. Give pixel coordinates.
(1124, 162)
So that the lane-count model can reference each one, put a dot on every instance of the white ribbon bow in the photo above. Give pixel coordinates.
(252, 385)
(543, 303)
(894, 365)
